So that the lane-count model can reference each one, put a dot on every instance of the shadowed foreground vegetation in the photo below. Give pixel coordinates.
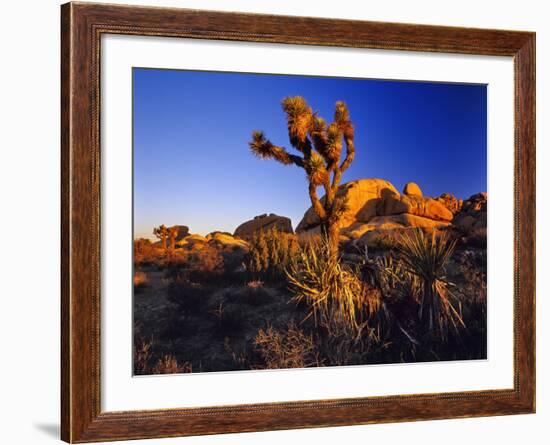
(220, 303)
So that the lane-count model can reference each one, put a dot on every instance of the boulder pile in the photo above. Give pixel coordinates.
(473, 213)
(374, 205)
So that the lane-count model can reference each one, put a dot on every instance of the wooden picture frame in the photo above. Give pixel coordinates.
(82, 25)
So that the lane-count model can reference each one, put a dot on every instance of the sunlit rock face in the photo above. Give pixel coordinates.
(262, 223)
(363, 197)
(473, 213)
(412, 189)
(452, 203)
(375, 205)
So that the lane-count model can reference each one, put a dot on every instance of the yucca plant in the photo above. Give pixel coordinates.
(320, 146)
(339, 301)
(425, 257)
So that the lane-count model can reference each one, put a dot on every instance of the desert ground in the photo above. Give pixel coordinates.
(406, 282)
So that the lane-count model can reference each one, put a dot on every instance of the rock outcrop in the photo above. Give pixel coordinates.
(451, 202)
(263, 222)
(191, 241)
(415, 205)
(376, 205)
(183, 231)
(363, 196)
(225, 240)
(473, 214)
(412, 189)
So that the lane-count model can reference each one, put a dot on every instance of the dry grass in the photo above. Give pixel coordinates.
(338, 299)
(290, 348)
(140, 279)
(169, 365)
(471, 267)
(142, 354)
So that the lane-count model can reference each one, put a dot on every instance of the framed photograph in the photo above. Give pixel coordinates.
(274, 222)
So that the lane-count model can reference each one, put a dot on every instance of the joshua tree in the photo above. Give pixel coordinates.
(161, 232)
(320, 145)
(172, 234)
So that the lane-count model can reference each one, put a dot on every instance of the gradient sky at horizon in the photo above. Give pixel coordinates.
(192, 164)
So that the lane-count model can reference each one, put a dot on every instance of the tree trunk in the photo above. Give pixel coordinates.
(164, 243)
(334, 238)
(332, 234)
(172, 244)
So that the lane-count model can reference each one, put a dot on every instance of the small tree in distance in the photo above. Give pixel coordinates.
(161, 232)
(320, 145)
(172, 234)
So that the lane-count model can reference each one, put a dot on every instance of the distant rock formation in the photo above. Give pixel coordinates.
(375, 205)
(263, 222)
(191, 241)
(473, 213)
(225, 240)
(451, 202)
(183, 231)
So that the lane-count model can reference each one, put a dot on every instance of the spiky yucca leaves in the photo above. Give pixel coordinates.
(299, 121)
(264, 149)
(425, 257)
(320, 146)
(316, 171)
(339, 301)
(161, 232)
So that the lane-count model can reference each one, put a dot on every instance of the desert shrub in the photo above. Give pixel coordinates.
(472, 266)
(286, 348)
(232, 319)
(424, 258)
(254, 293)
(142, 354)
(188, 298)
(144, 251)
(476, 238)
(169, 365)
(208, 260)
(469, 237)
(240, 356)
(338, 299)
(140, 280)
(202, 263)
(384, 239)
(270, 253)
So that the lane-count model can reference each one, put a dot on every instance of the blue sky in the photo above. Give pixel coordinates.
(192, 164)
